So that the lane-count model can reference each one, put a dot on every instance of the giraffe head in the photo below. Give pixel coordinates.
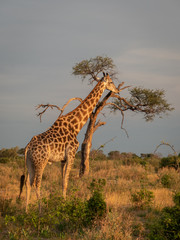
(109, 83)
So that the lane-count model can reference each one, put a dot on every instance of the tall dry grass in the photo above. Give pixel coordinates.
(121, 181)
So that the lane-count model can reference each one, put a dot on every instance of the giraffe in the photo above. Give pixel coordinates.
(59, 142)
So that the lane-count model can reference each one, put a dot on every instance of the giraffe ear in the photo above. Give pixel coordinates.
(104, 74)
(107, 74)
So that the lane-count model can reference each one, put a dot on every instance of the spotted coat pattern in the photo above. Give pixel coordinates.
(59, 142)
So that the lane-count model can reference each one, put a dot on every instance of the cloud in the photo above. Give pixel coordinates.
(148, 55)
(153, 53)
(150, 65)
(153, 68)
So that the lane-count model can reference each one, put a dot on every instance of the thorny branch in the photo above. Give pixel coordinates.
(102, 146)
(122, 113)
(177, 165)
(98, 124)
(46, 106)
(166, 144)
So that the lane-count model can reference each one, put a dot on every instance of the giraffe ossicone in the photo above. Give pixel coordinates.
(59, 142)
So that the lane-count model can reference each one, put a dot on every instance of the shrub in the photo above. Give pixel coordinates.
(169, 178)
(59, 216)
(114, 155)
(176, 199)
(172, 161)
(5, 206)
(167, 226)
(142, 199)
(96, 206)
(9, 153)
(4, 159)
(97, 155)
(167, 181)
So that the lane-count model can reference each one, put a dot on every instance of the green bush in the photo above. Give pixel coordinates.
(5, 206)
(59, 216)
(4, 159)
(172, 161)
(166, 227)
(96, 205)
(167, 181)
(142, 199)
(97, 155)
(176, 199)
(11, 155)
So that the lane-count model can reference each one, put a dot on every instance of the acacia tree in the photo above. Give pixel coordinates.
(149, 102)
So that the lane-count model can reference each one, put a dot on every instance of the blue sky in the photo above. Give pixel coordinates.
(42, 40)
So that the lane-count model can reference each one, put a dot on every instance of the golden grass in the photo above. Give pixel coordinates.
(117, 226)
(116, 200)
(163, 198)
(120, 182)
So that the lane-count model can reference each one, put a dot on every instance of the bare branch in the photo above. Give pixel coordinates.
(120, 85)
(166, 144)
(122, 113)
(102, 146)
(46, 106)
(98, 124)
(70, 100)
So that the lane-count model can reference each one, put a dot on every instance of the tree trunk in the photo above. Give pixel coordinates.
(86, 148)
(87, 143)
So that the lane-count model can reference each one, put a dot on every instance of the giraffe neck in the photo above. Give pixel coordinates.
(79, 116)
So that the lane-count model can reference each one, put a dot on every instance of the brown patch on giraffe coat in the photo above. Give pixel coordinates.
(92, 101)
(90, 109)
(78, 115)
(69, 118)
(69, 138)
(52, 146)
(61, 132)
(76, 126)
(65, 131)
(84, 112)
(65, 124)
(85, 118)
(56, 124)
(71, 128)
(74, 121)
(85, 106)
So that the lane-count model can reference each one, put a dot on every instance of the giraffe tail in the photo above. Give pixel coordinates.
(22, 179)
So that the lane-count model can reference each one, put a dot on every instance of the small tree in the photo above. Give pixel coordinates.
(149, 102)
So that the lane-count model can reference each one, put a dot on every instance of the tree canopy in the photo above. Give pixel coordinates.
(93, 67)
(150, 102)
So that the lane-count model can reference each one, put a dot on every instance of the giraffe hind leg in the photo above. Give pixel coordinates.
(28, 191)
(38, 189)
(30, 181)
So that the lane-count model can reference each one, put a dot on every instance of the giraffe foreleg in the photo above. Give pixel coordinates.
(66, 166)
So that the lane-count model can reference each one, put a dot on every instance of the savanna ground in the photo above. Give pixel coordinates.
(135, 194)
